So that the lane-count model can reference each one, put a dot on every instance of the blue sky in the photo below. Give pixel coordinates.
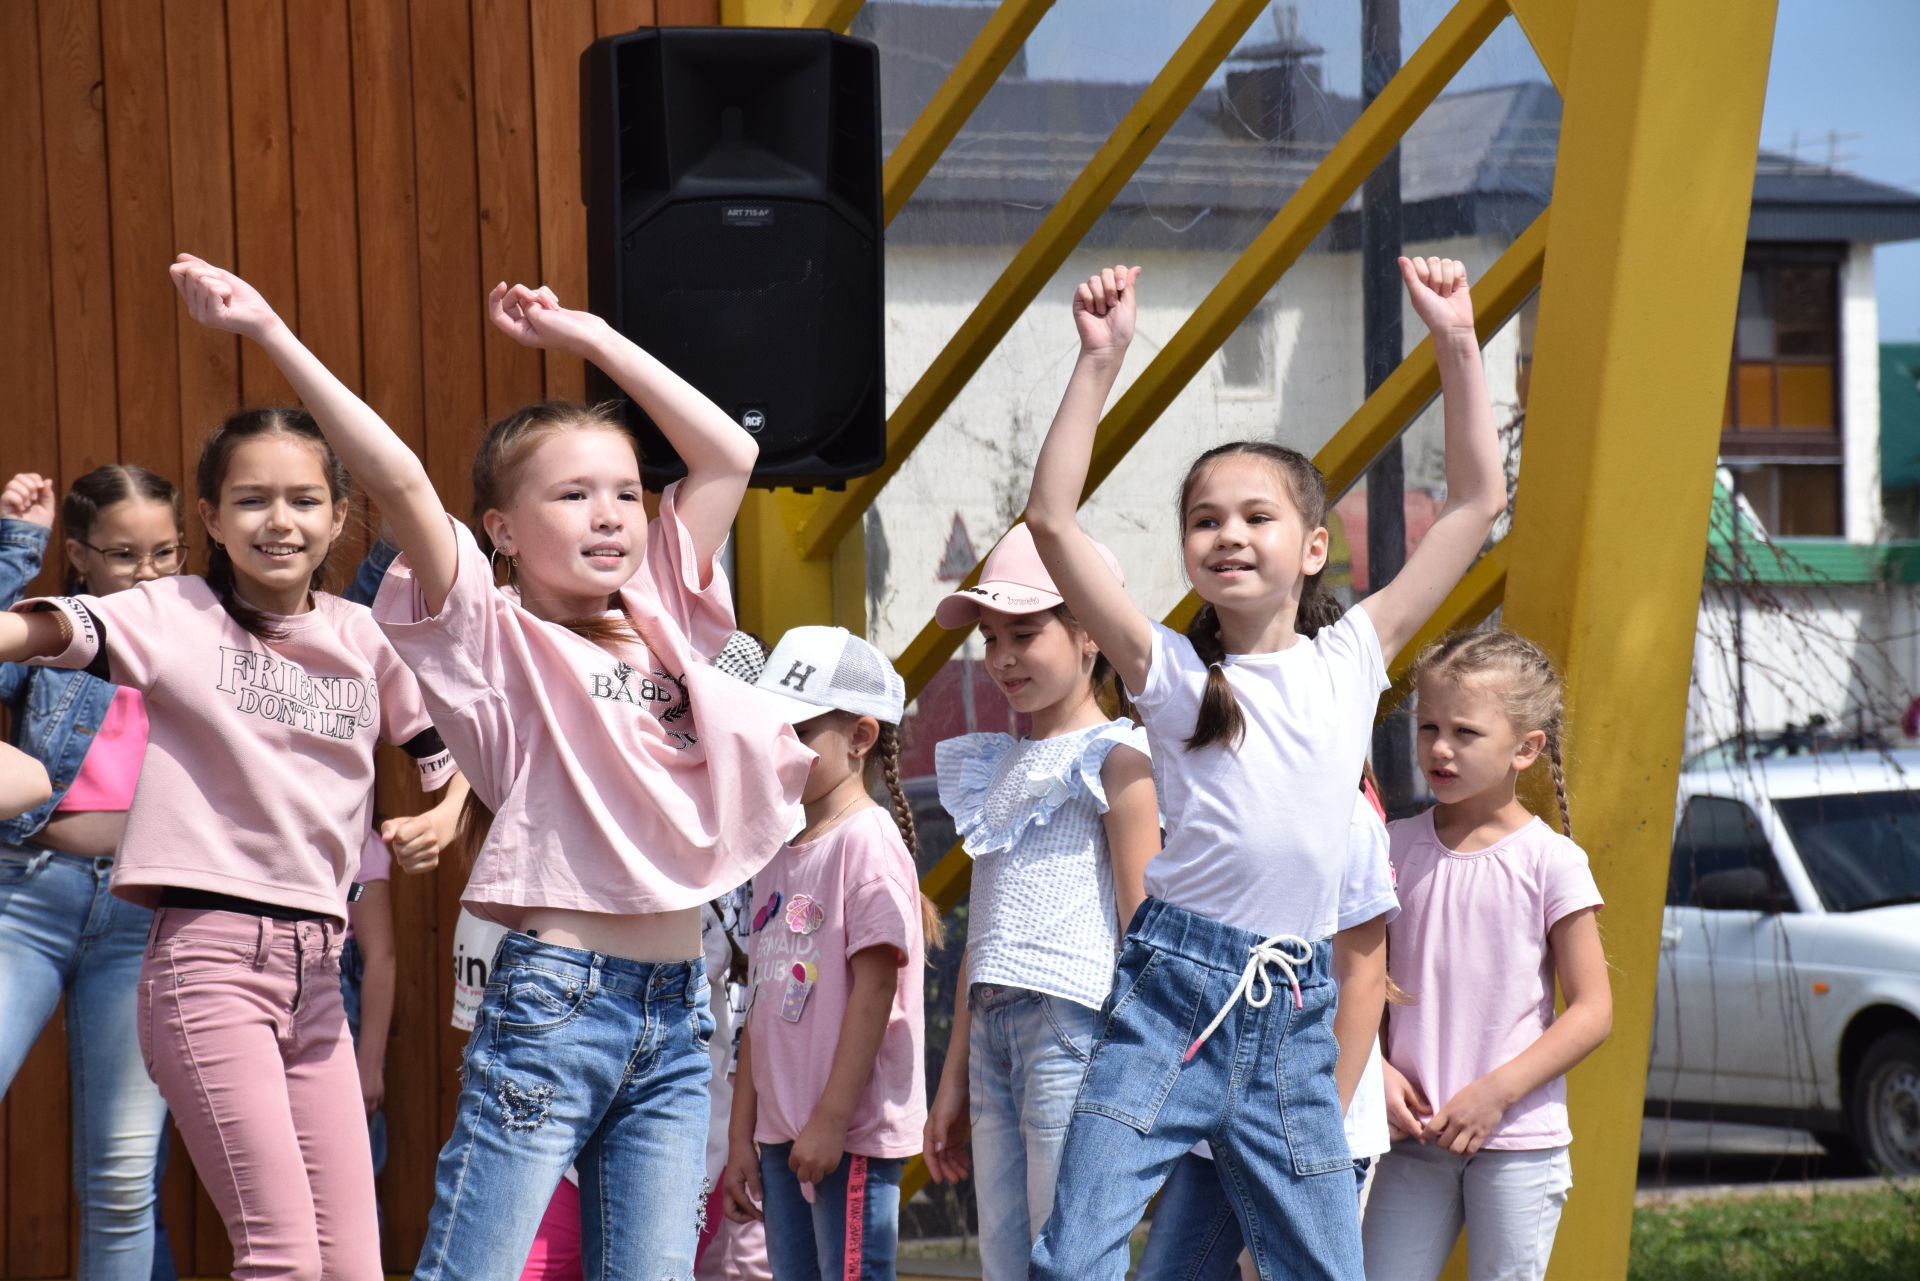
(1845, 67)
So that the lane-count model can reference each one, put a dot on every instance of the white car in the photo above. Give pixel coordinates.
(1790, 953)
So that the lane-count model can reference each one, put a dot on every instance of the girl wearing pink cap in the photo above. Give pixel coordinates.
(628, 781)
(1060, 824)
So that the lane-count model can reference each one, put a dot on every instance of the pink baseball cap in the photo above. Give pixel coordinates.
(1012, 581)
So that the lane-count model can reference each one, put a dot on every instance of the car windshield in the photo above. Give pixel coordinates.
(1861, 850)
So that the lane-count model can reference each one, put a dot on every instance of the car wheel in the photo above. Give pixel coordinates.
(1885, 1103)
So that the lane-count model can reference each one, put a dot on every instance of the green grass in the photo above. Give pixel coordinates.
(1870, 1235)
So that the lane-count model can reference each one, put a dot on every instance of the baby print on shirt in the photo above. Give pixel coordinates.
(665, 697)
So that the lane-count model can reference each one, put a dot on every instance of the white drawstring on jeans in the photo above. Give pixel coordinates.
(1263, 959)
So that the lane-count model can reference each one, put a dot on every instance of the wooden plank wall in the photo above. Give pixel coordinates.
(373, 165)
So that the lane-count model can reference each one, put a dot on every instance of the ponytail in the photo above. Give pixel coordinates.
(886, 756)
(1220, 719)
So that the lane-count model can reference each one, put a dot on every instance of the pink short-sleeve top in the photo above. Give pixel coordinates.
(257, 779)
(623, 780)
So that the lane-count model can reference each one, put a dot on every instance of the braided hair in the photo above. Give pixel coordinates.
(884, 761)
(1521, 676)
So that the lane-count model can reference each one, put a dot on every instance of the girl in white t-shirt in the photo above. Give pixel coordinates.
(1221, 1024)
(628, 781)
(1494, 906)
(1060, 824)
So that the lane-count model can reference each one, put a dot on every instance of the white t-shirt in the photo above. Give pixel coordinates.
(1256, 836)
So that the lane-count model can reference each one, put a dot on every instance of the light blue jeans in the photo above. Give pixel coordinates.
(62, 931)
(1260, 1090)
(1025, 1058)
(578, 1058)
(850, 1231)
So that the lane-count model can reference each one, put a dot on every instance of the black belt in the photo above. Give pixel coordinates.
(208, 901)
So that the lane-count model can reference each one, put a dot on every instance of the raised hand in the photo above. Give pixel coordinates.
(28, 497)
(219, 299)
(535, 318)
(1438, 290)
(1103, 311)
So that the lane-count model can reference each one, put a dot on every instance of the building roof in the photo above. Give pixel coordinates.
(1478, 162)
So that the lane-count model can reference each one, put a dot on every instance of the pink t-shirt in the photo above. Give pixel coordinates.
(111, 769)
(258, 775)
(816, 905)
(1470, 947)
(640, 781)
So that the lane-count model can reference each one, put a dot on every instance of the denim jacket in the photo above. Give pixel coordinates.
(55, 711)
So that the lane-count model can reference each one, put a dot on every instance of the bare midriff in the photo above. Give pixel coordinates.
(650, 936)
(89, 833)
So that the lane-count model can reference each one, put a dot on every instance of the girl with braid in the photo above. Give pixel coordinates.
(1476, 1064)
(830, 1094)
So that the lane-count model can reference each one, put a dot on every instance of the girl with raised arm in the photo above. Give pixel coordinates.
(1222, 1023)
(628, 780)
(264, 700)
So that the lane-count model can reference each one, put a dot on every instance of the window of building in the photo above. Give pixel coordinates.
(1246, 357)
(1781, 432)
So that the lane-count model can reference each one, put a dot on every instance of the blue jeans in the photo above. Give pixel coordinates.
(1026, 1056)
(1260, 1090)
(62, 931)
(1194, 1235)
(809, 1242)
(353, 970)
(577, 1058)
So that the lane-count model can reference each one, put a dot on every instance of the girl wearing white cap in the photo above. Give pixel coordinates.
(1061, 824)
(829, 1097)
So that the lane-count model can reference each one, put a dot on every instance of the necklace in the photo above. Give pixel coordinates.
(814, 831)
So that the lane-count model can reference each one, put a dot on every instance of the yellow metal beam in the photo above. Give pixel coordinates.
(1284, 239)
(1131, 141)
(833, 14)
(1650, 204)
(777, 590)
(1414, 382)
(913, 157)
(1548, 25)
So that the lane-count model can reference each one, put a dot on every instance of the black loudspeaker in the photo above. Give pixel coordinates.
(732, 185)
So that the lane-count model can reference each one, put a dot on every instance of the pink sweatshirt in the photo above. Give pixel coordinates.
(639, 781)
(258, 775)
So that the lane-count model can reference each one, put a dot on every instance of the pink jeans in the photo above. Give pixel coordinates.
(242, 1030)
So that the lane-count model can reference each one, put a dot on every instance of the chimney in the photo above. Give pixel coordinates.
(1271, 84)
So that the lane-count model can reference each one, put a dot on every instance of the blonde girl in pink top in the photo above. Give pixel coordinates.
(265, 700)
(1495, 905)
(628, 780)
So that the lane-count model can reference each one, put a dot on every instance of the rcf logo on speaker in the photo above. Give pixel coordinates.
(746, 216)
(754, 419)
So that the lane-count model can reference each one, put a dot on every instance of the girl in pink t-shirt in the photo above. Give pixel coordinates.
(627, 780)
(1495, 906)
(265, 700)
(830, 1096)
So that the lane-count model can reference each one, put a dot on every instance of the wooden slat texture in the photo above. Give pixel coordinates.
(257, 69)
(325, 221)
(76, 170)
(140, 184)
(560, 33)
(372, 165)
(509, 198)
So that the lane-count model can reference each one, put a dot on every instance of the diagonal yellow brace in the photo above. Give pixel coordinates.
(832, 14)
(1131, 141)
(1413, 383)
(1470, 603)
(1284, 239)
(913, 157)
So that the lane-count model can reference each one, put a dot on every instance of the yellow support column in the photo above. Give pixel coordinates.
(1650, 203)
